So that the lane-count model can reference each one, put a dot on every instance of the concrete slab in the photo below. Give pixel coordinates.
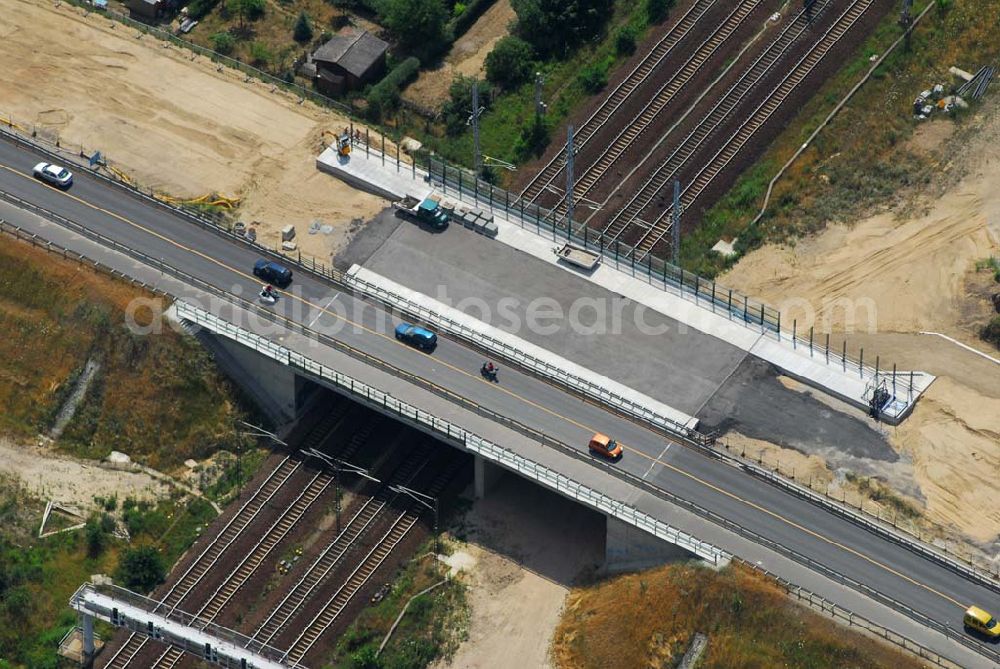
(379, 174)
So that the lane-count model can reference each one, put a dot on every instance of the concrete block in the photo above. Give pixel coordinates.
(288, 233)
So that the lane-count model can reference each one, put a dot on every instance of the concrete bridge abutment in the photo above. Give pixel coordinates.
(628, 548)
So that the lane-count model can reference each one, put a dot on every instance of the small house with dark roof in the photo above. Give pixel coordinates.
(350, 60)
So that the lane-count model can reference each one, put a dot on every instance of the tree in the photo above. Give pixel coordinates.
(223, 42)
(141, 568)
(96, 535)
(554, 26)
(457, 109)
(303, 28)
(625, 40)
(417, 24)
(246, 9)
(509, 64)
(656, 10)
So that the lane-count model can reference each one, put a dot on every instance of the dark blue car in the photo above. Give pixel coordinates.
(414, 335)
(272, 272)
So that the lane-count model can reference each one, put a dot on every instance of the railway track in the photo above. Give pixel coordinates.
(270, 540)
(135, 643)
(760, 116)
(334, 553)
(250, 509)
(628, 135)
(619, 95)
(738, 92)
(338, 602)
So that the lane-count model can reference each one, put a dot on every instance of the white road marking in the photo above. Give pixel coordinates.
(965, 346)
(323, 310)
(656, 461)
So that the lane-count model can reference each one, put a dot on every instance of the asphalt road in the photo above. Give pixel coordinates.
(919, 583)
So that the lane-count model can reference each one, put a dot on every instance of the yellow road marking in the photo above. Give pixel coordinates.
(364, 328)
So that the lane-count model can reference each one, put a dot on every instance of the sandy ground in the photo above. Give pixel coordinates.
(70, 481)
(529, 546)
(466, 57)
(173, 121)
(916, 273)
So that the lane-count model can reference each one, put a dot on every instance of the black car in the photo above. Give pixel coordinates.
(272, 272)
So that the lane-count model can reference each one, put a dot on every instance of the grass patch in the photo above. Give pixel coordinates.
(878, 492)
(431, 629)
(37, 576)
(157, 397)
(862, 161)
(648, 619)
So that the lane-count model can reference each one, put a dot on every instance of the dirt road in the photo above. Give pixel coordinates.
(175, 121)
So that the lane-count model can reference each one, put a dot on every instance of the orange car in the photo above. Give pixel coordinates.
(604, 445)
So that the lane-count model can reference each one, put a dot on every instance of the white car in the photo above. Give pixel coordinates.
(54, 175)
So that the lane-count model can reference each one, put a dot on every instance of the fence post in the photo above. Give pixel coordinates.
(795, 325)
(828, 348)
(746, 315)
(843, 356)
(383, 150)
(459, 184)
(861, 363)
(810, 341)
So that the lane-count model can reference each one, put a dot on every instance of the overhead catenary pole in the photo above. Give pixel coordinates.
(477, 158)
(676, 224)
(569, 183)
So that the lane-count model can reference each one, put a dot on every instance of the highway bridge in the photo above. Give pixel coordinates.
(911, 590)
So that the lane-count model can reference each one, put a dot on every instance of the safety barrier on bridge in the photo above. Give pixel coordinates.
(597, 388)
(472, 442)
(981, 575)
(199, 637)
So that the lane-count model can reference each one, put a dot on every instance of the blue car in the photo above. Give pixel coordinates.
(414, 335)
(272, 272)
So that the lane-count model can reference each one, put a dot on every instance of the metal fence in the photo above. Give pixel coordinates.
(847, 617)
(958, 563)
(444, 428)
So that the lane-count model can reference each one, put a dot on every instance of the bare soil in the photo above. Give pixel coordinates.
(70, 481)
(174, 121)
(914, 271)
(529, 547)
(466, 57)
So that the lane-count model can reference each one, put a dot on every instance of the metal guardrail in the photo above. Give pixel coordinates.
(501, 349)
(963, 566)
(433, 421)
(563, 484)
(472, 442)
(849, 618)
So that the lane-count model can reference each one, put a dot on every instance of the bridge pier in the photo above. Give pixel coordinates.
(628, 548)
(88, 639)
(275, 387)
(485, 475)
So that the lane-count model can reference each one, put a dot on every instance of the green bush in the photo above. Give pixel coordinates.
(463, 20)
(223, 42)
(198, 9)
(625, 40)
(458, 9)
(303, 31)
(657, 10)
(991, 332)
(510, 62)
(141, 569)
(555, 26)
(533, 140)
(419, 25)
(594, 77)
(384, 96)
(260, 55)
(455, 112)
